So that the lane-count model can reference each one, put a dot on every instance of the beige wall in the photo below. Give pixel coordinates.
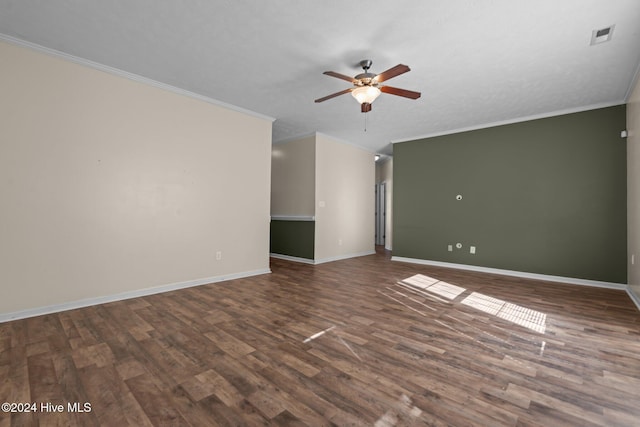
(293, 177)
(344, 200)
(109, 186)
(633, 190)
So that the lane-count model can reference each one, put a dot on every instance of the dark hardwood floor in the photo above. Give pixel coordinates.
(341, 343)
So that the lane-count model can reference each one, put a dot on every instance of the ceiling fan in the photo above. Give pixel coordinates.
(367, 85)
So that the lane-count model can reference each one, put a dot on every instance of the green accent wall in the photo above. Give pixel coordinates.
(545, 196)
(293, 238)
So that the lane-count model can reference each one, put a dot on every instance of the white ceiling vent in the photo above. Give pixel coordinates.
(602, 35)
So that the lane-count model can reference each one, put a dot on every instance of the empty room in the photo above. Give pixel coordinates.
(338, 213)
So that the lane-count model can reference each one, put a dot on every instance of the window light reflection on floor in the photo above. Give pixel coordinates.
(531, 319)
(443, 289)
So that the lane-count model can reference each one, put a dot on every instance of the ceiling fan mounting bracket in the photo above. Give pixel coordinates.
(366, 64)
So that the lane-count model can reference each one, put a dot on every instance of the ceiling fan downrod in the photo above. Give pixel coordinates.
(366, 78)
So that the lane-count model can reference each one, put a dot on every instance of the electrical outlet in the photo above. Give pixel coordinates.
(339, 242)
(450, 248)
(472, 250)
(218, 255)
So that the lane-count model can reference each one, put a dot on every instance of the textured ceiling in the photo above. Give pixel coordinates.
(476, 62)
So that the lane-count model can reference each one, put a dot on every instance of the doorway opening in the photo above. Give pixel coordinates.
(381, 213)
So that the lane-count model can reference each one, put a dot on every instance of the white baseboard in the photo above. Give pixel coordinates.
(293, 218)
(346, 256)
(56, 308)
(634, 297)
(292, 258)
(545, 277)
(322, 260)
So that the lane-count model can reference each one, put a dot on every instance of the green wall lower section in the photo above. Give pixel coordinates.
(545, 196)
(293, 238)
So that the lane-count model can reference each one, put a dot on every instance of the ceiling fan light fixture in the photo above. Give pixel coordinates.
(366, 88)
(366, 94)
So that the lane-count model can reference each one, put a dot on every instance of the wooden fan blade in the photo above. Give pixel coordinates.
(340, 76)
(392, 72)
(400, 92)
(333, 95)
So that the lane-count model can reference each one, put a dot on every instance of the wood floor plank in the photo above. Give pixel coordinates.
(337, 344)
(155, 403)
(206, 411)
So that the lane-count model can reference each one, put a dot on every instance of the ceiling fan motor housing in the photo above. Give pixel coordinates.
(366, 78)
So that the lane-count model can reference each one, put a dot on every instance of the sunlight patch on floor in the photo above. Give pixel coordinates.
(531, 319)
(429, 284)
(522, 316)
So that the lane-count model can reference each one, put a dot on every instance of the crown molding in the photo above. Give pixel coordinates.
(295, 138)
(634, 81)
(324, 135)
(127, 75)
(345, 142)
(511, 121)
